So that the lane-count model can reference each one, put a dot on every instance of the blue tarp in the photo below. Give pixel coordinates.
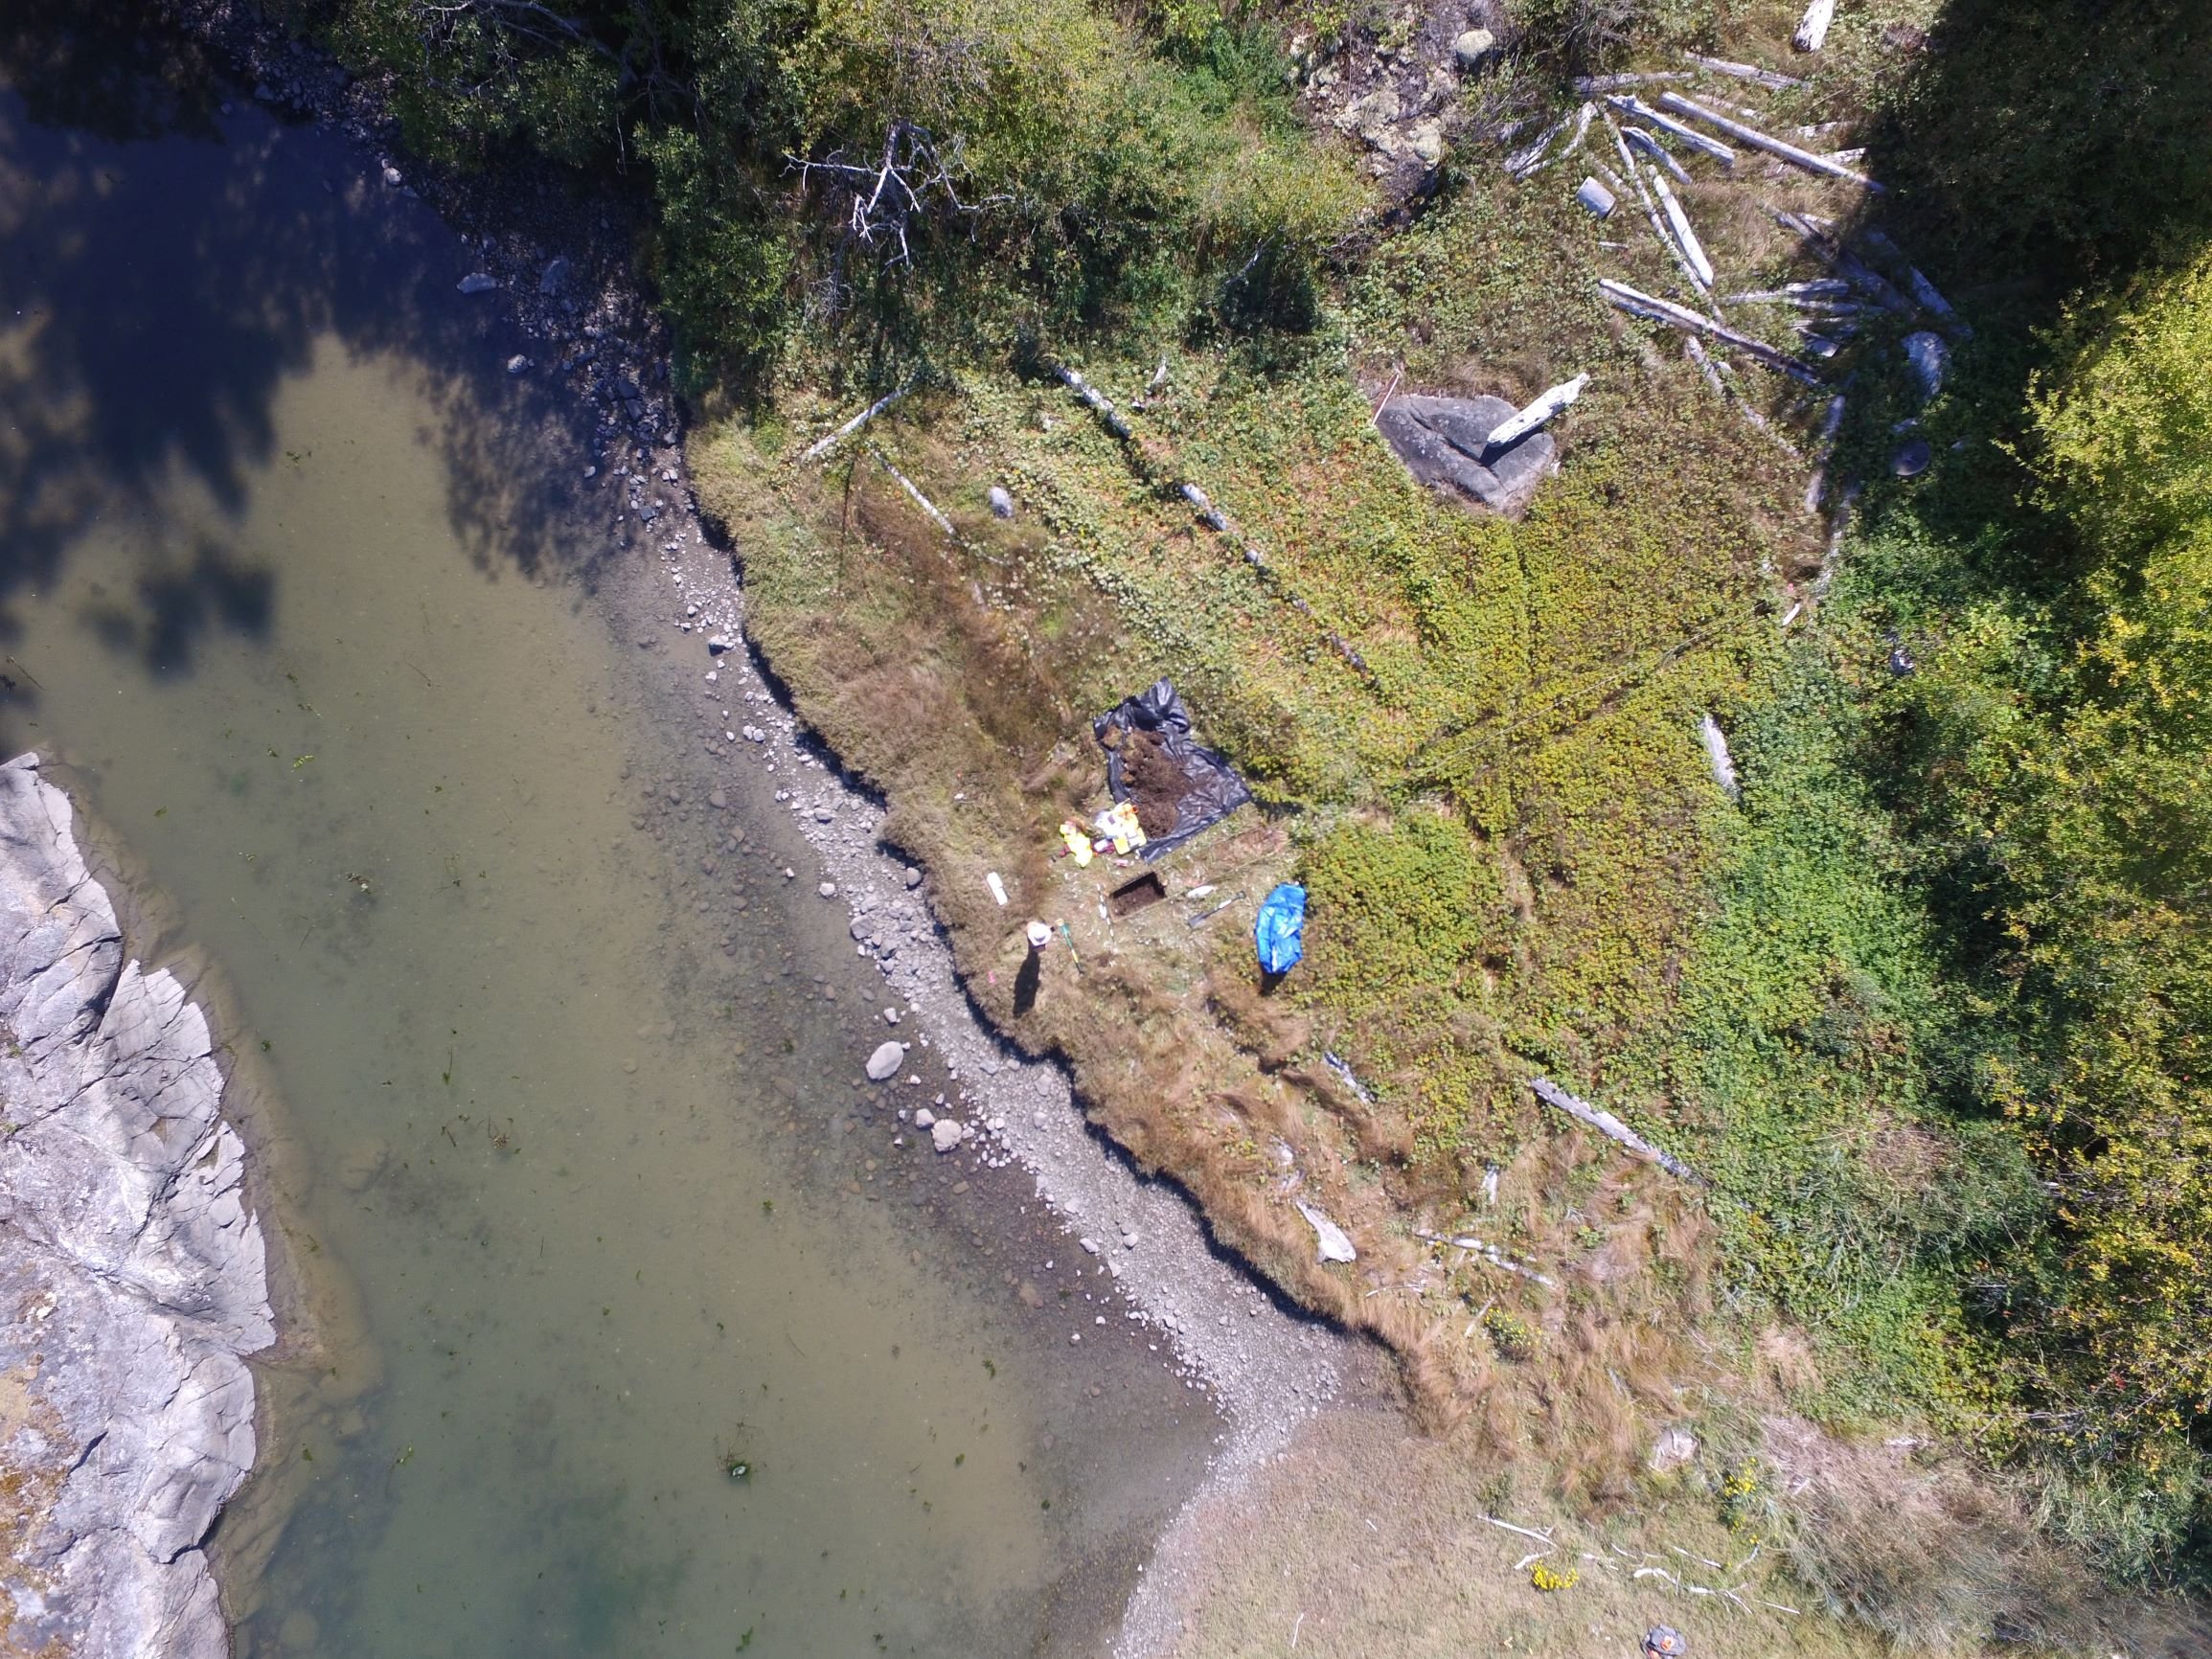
(1280, 932)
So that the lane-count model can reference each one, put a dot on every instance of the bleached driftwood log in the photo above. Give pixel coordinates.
(1610, 1127)
(1718, 758)
(1694, 349)
(1813, 28)
(1651, 146)
(1528, 420)
(1100, 403)
(1586, 85)
(1766, 142)
(1529, 157)
(1854, 270)
(1750, 72)
(1666, 123)
(822, 447)
(1333, 1242)
(1820, 294)
(1816, 484)
(1642, 305)
(914, 490)
(1659, 225)
(1924, 291)
(1692, 247)
(1488, 1251)
(1583, 118)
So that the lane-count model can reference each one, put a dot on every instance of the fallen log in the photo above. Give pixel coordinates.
(1694, 349)
(1657, 310)
(1688, 238)
(1853, 269)
(1806, 296)
(1750, 72)
(1528, 420)
(1813, 28)
(1816, 484)
(1586, 85)
(1652, 213)
(1526, 160)
(1724, 372)
(914, 490)
(1489, 1253)
(1656, 150)
(1689, 135)
(1098, 401)
(1610, 1127)
(1766, 142)
(1923, 290)
(822, 447)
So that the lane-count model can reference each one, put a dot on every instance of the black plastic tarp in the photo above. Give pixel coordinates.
(1211, 788)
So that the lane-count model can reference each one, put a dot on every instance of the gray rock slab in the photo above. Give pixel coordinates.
(131, 1257)
(1443, 444)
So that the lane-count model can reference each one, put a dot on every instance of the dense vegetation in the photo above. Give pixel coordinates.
(2049, 763)
(923, 170)
(1934, 1007)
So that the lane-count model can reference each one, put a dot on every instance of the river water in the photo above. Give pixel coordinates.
(296, 592)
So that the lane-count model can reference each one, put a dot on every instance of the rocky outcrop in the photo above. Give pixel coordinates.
(132, 1273)
(1445, 442)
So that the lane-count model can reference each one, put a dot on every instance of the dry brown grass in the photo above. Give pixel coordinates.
(1363, 1540)
(1935, 1555)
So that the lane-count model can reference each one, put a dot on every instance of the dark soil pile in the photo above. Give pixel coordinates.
(1156, 782)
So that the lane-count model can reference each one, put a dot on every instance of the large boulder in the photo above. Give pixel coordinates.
(131, 1259)
(1444, 441)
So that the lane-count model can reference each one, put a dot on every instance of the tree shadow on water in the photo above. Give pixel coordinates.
(164, 270)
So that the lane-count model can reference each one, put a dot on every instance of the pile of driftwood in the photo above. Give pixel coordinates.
(1645, 132)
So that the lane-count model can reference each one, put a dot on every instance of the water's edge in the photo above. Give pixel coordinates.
(1262, 1369)
(132, 1256)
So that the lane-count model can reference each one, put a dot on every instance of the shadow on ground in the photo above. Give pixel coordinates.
(163, 276)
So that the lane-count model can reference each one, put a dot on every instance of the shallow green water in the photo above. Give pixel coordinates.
(291, 591)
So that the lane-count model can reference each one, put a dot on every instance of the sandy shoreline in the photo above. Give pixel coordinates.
(1265, 1368)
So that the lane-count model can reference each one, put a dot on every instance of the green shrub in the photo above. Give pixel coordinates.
(1064, 171)
(1413, 904)
(2053, 758)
